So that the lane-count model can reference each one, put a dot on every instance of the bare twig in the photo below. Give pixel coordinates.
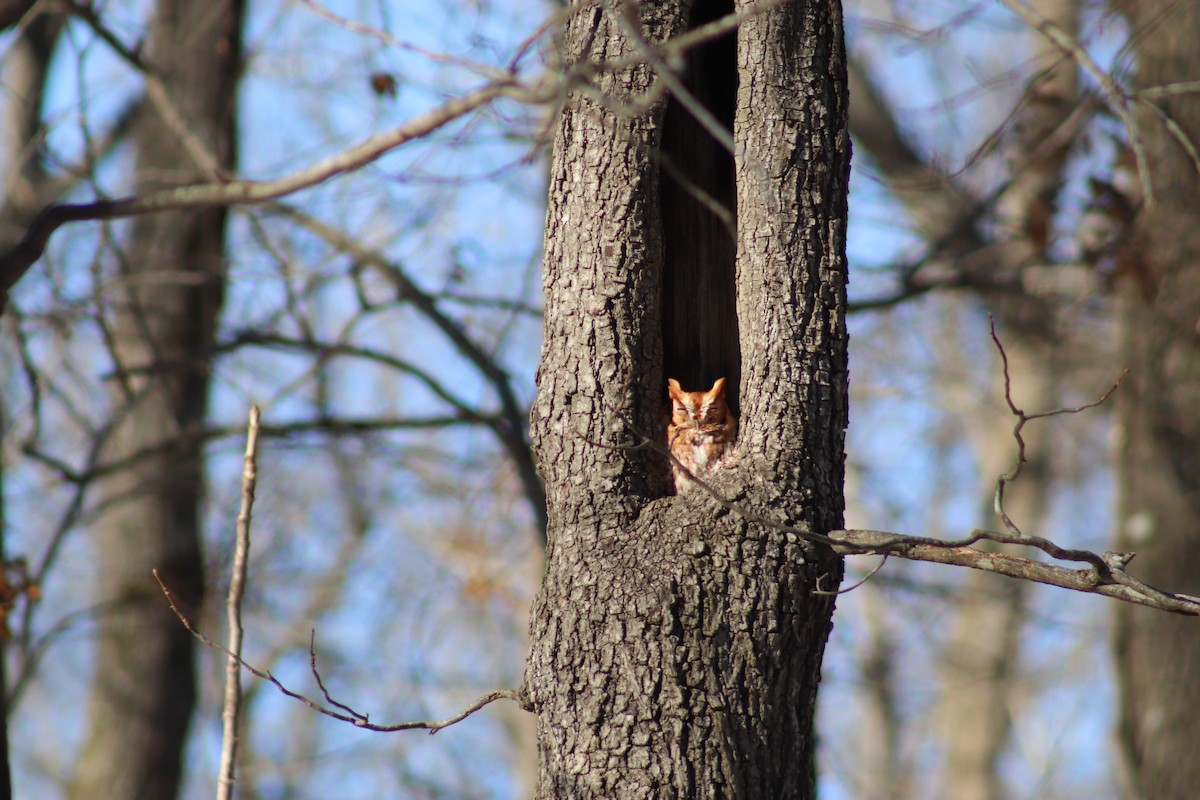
(715, 206)
(326, 349)
(220, 190)
(626, 16)
(858, 583)
(233, 610)
(341, 426)
(312, 664)
(552, 22)
(160, 98)
(1173, 128)
(17, 261)
(1112, 581)
(1003, 480)
(1170, 90)
(518, 696)
(382, 36)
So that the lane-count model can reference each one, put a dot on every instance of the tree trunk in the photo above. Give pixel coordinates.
(676, 646)
(1159, 451)
(162, 327)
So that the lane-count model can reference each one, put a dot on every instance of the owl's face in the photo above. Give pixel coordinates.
(697, 409)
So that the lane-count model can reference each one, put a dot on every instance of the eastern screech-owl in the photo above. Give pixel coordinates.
(702, 432)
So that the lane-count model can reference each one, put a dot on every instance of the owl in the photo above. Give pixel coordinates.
(702, 431)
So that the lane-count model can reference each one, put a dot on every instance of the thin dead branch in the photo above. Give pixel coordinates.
(861, 581)
(383, 37)
(358, 720)
(233, 607)
(236, 663)
(1003, 480)
(626, 15)
(17, 261)
(512, 419)
(156, 91)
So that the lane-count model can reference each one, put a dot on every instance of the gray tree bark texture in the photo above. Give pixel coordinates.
(675, 646)
(1159, 407)
(161, 325)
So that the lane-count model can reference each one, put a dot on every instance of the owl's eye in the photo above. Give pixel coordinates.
(680, 410)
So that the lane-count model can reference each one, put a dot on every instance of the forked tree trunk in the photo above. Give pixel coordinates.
(676, 648)
(162, 316)
(1159, 457)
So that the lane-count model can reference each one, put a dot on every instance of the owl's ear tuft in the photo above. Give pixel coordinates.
(718, 388)
(673, 387)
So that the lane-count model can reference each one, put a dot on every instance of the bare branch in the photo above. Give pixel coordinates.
(220, 191)
(13, 12)
(519, 696)
(626, 16)
(1003, 480)
(1112, 581)
(991, 259)
(1173, 128)
(93, 469)
(312, 665)
(857, 584)
(1106, 577)
(326, 350)
(17, 261)
(1170, 90)
(382, 36)
(233, 607)
(160, 98)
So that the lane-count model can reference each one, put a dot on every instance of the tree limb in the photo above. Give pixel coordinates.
(15, 263)
(1113, 581)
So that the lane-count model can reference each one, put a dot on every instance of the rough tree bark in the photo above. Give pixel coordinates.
(676, 647)
(162, 322)
(1158, 458)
